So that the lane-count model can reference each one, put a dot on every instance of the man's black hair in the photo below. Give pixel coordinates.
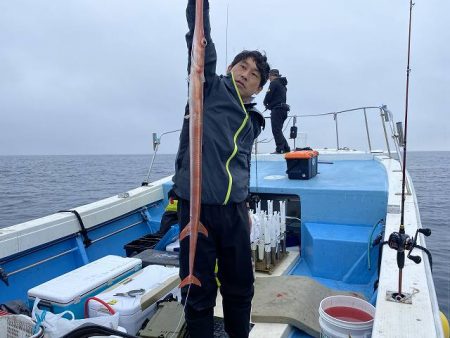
(260, 60)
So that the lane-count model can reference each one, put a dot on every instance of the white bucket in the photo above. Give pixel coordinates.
(332, 327)
(18, 326)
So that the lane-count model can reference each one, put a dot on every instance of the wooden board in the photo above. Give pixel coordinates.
(292, 300)
(154, 295)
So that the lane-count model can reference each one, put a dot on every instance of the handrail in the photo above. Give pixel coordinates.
(156, 143)
(339, 112)
(384, 113)
(386, 118)
(335, 118)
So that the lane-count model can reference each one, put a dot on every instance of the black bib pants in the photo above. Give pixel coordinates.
(277, 118)
(228, 241)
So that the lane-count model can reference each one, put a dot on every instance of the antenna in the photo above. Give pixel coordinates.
(226, 42)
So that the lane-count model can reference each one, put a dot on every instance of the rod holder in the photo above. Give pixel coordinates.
(156, 141)
(401, 139)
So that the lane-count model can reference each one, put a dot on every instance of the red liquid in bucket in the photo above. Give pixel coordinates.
(348, 314)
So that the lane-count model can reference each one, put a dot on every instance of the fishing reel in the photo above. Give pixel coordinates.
(416, 259)
(401, 242)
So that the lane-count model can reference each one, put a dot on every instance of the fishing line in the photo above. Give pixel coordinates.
(182, 314)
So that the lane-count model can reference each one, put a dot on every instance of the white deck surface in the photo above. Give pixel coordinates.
(268, 330)
(395, 319)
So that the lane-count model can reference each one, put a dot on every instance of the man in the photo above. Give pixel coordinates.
(275, 101)
(230, 125)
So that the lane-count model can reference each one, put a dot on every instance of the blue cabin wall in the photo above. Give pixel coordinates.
(339, 208)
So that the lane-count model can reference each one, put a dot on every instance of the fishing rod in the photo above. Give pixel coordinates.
(400, 241)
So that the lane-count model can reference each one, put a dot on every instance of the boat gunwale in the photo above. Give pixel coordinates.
(25, 236)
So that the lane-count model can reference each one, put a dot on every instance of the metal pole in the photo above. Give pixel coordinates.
(226, 42)
(367, 130)
(337, 132)
(156, 143)
(383, 119)
(151, 164)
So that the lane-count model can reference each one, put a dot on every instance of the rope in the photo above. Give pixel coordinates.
(86, 309)
(39, 320)
(369, 243)
(86, 240)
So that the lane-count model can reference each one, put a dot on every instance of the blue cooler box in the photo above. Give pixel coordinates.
(70, 291)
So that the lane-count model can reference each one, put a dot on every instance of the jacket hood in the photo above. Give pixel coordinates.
(283, 81)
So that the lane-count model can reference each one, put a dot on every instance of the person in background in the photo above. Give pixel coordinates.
(275, 101)
(231, 123)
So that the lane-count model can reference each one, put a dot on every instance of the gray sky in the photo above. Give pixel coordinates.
(99, 76)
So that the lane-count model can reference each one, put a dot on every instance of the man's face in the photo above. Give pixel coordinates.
(247, 78)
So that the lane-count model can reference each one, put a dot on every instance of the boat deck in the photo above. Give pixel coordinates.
(343, 192)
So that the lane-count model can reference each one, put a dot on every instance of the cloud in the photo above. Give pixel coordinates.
(94, 77)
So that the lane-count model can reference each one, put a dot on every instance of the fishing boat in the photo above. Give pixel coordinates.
(338, 249)
(338, 214)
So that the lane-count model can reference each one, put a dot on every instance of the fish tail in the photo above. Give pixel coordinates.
(190, 279)
(202, 229)
(187, 231)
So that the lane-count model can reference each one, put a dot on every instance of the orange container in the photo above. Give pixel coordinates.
(301, 164)
(301, 154)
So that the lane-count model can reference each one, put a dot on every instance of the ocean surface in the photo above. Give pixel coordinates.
(36, 186)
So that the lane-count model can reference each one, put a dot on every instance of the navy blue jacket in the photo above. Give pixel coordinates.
(229, 130)
(276, 94)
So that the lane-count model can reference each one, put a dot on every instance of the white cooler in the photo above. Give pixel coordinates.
(156, 282)
(70, 291)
